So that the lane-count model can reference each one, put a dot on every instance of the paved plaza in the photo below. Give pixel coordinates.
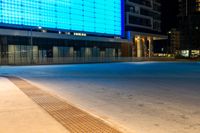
(143, 97)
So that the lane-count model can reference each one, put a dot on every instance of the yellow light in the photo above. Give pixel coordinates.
(137, 38)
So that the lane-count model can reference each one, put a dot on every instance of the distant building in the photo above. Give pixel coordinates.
(189, 27)
(143, 25)
(174, 41)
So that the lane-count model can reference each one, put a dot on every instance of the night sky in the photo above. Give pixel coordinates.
(169, 14)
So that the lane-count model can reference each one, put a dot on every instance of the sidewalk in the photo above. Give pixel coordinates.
(19, 114)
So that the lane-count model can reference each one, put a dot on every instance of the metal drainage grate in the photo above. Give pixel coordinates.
(74, 119)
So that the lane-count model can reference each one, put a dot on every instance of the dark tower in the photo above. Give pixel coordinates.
(189, 26)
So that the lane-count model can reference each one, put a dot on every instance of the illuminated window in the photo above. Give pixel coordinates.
(99, 16)
(198, 5)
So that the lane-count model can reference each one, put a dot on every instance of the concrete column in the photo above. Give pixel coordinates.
(150, 47)
(145, 47)
(134, 49)
(139, 47)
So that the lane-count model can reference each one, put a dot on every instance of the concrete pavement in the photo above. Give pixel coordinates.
(143, 97)
(19, 114)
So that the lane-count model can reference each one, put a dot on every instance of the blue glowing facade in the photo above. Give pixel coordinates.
(95, 16)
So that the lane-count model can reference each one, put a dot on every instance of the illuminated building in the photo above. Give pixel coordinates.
(32, 30)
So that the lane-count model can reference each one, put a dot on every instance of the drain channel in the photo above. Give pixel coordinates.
(72, 118)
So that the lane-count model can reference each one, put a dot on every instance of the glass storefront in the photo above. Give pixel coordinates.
(19, 49)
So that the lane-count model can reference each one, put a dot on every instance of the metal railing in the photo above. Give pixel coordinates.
(76, 60)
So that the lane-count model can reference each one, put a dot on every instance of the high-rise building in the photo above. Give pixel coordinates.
(143, 15)
(33, 30)
(189, 27)
(174, 40)
(143, 25)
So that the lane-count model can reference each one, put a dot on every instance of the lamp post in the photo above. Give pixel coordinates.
(31, 45)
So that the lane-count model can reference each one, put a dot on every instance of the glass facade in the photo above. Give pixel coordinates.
(95, 16)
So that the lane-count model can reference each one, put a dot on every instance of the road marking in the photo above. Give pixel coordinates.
(72, 118)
